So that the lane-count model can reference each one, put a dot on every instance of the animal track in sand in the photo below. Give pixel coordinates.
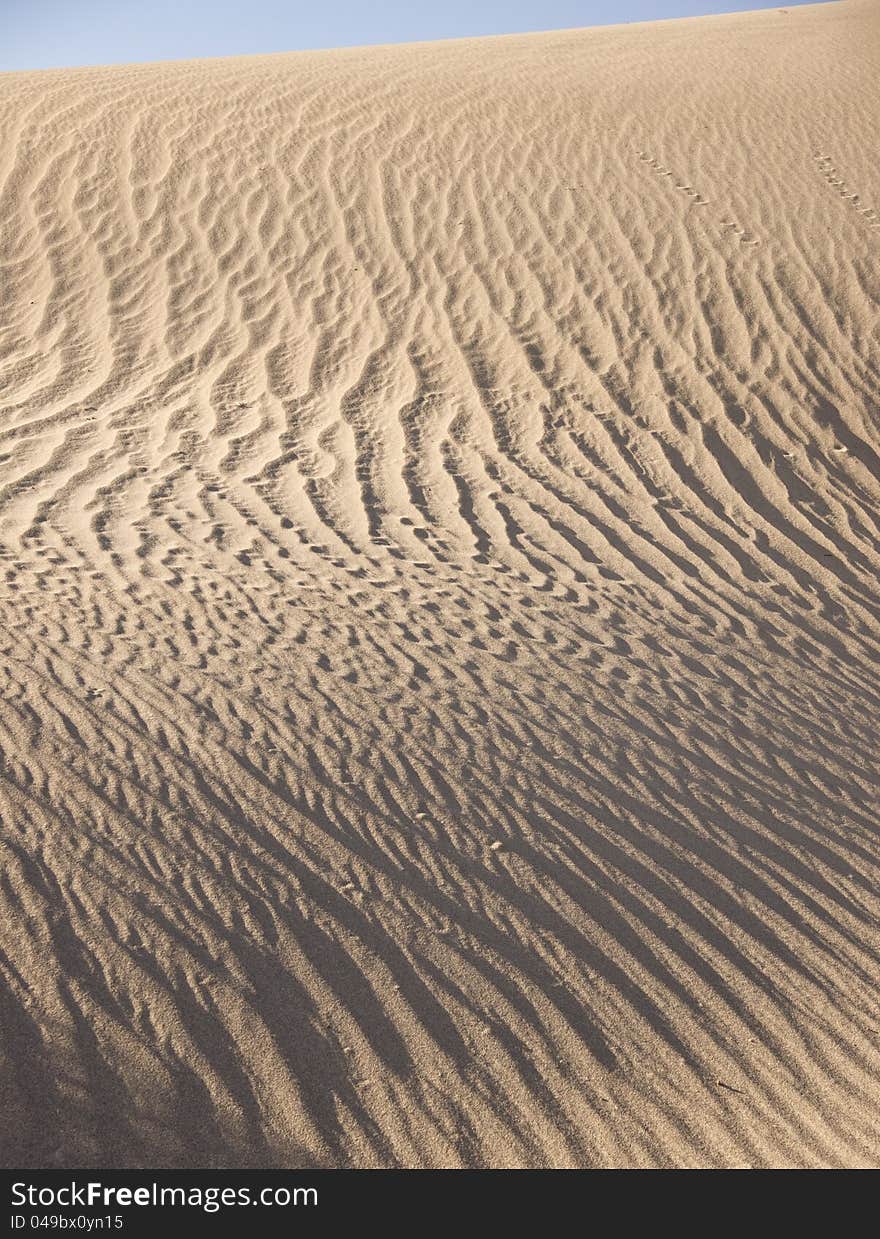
(699, 199)
(830, 174)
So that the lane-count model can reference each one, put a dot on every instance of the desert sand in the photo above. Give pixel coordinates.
(440, 534)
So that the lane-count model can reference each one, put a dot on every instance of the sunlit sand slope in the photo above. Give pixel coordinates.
(440, 523)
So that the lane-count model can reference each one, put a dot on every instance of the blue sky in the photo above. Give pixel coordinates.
(37, 34)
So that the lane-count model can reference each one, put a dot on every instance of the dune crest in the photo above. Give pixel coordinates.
(440, 535)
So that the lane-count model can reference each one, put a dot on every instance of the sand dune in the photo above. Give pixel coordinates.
(440, 535)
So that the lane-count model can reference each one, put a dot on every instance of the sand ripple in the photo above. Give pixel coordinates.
(440, 543)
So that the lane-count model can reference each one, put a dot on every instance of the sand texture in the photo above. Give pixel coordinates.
(440, 607)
